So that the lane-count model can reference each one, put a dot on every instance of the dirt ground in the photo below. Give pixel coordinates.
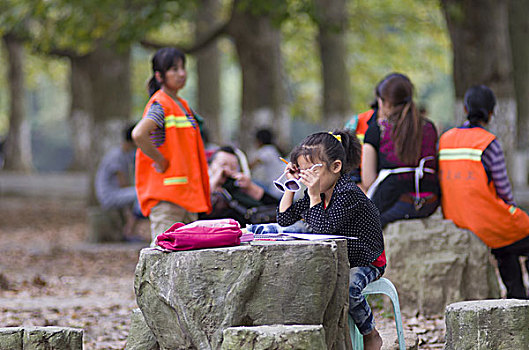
(49, 276)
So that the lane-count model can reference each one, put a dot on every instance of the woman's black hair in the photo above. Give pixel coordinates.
(397, 91)
(162, 61)
(479, 101)
(328, 147)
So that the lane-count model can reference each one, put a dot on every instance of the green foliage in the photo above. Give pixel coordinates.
(78, 25)
(408, 36)
(277, 10)
(302, 66)
(384, 36)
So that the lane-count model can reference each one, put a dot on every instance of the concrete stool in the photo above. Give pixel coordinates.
(279, 336)
(380, 286)
(104, 225)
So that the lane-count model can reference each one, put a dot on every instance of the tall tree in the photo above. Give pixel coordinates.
(519, 33)
(257, 41)
(100, 104)
(482, 55)
(331, 17)
(98, 46)
(208, 69)
(18, 143)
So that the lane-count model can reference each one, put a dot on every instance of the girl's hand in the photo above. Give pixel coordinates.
(161, 166)
(292, 171)
(311, 179)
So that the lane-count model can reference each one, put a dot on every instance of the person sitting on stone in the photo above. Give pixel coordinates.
(233, 192)
(399, 169)
(266, 164)
(114, 183)
(477, 193)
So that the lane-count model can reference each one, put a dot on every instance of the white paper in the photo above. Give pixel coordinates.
(315, 237)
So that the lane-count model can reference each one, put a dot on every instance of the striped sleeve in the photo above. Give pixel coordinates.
(157, 115)
(494, 162)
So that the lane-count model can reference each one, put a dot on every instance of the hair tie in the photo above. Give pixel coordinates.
(338, 137)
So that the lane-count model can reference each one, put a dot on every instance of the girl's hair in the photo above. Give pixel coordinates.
(479, 101)
(162, 61)
(406, 135)
(328, 147)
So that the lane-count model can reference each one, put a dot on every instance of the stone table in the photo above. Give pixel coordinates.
(189, 298)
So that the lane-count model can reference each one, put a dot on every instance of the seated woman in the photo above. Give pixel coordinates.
(399, 155)
(232, 191)
(476, 190)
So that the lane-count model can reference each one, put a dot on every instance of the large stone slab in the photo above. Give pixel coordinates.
(488, 324)
(433, 263)
(189, 298)
(294, 337)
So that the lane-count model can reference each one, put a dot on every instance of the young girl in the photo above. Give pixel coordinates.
(171, 168)
(334, 204)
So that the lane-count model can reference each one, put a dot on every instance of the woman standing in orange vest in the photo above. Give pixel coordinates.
(476, 192)
(171, 168)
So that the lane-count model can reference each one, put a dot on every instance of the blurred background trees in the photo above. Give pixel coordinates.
(75, 71)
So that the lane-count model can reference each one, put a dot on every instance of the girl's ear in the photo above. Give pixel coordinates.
(158, 77)
(336, 166)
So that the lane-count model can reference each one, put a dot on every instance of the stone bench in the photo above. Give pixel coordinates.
(488, 324)
(433, 263)
(294, 337)
(40, 338)
(189, 298)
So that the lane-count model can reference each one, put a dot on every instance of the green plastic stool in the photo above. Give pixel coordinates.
(380, 286)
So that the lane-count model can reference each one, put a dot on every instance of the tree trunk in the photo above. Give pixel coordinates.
(100, 107)
(81, 118)
(208, 71)
(482, 55)
(18, 143)
(519, 34)
(331, 18)
(258, 46)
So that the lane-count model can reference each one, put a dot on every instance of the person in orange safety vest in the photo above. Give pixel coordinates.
(476, 192)
(171, 169)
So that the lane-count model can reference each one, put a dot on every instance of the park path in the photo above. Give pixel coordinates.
(49, 276)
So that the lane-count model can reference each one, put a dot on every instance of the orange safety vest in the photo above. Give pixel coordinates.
(468, 199)
(186, 180)
(362, 126)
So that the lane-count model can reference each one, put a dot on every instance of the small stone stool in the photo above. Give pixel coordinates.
(140, 335)
(487, 324)
(292, 337)
(34, 338)
(104, 225)
(380, 286)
